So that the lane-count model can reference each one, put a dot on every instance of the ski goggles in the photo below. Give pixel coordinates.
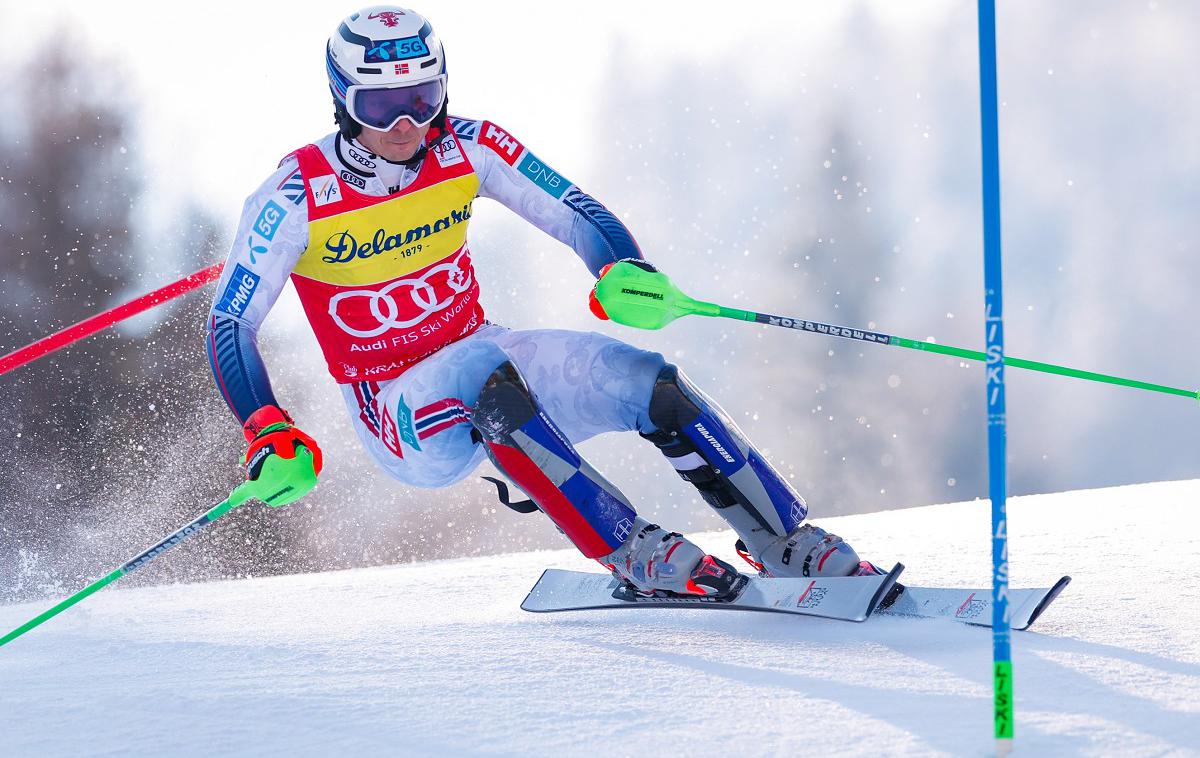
(381, 108)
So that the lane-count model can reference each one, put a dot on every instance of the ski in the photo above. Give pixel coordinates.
(972, 606)
(841, 598)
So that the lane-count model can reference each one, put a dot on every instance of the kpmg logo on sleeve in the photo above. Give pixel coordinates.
(269, 219)
(238, 291)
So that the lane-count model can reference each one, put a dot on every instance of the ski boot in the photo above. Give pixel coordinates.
(808, 551)
(654, 561)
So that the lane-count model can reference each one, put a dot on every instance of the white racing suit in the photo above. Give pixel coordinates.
(379, 256)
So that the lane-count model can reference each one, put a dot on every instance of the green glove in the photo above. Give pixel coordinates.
(634, 293)
(283, 462)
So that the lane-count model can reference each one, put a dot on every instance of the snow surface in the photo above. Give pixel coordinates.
(437, 658)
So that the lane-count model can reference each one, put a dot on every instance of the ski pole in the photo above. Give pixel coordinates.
(282, 481)
(997, 413)
(93, 324)
(647, 299)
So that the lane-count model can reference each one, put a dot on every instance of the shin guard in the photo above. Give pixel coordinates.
(708, 450)
(533, 453)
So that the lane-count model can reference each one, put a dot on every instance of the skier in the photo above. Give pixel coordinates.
(370, 222)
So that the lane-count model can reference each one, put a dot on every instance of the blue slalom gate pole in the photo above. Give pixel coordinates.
(997, 421)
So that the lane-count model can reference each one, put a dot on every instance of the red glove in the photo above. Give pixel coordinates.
(594, 302)
(269, 431)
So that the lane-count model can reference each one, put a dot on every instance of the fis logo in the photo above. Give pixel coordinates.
(238, 292)
(325, 190)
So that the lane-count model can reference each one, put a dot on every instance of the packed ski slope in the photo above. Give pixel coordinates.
(436, 658)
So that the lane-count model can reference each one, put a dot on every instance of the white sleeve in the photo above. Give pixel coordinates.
(511, 174)
(271, 236)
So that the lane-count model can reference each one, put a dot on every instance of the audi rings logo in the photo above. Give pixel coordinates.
(386, 305)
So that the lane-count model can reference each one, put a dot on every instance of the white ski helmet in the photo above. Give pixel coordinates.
(386, 63)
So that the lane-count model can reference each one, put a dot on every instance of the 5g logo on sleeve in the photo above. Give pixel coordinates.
(269, 219)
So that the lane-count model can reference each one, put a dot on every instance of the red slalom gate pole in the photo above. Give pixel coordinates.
(90, 326)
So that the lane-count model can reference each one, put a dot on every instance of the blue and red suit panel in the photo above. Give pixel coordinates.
(531, 451)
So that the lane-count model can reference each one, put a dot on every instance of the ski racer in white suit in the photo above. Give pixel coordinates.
(370, 224)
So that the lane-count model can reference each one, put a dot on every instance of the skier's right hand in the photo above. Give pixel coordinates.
(270, 432)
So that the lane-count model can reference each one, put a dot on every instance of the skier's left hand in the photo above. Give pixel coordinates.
(594, 304)
(632, 292)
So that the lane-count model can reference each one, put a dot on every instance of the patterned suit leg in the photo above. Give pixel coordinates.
(530, 450)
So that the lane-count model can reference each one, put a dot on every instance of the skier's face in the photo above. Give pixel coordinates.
(399, 143)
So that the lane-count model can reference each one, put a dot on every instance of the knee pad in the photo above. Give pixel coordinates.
(707, 449)
(531, 451)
